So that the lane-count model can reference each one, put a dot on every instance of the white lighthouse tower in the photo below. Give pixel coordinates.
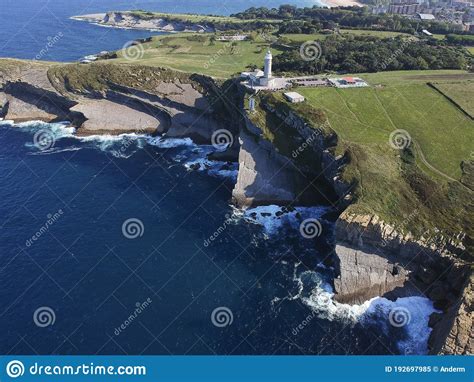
(267, 79)
(268, 65)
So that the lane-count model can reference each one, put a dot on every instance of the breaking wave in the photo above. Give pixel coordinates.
(315, 291)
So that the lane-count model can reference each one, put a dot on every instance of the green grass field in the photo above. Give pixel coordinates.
(197, 54)
(367, 116)
(416, 190)
(462, 93)
(195, 18)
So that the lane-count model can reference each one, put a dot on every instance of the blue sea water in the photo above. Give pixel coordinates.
(27, 26)
(129, 245)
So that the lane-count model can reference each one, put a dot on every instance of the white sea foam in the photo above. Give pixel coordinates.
(214, 168)
(166, 143)
(267, 216)
(58, 129)
(318, 295)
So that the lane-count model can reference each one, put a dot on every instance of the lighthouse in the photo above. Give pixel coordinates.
(267, 80)
(268, 65)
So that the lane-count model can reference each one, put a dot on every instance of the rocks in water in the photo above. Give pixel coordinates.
(363, 276)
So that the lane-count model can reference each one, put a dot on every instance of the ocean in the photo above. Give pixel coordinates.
(130, 245)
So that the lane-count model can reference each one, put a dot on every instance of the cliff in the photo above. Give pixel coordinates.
(423, 252)
(148, 100)
(171, 22)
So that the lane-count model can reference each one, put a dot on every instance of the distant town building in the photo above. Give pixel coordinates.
(348, 82)
(425, 16)
(404, 8)
(294, 97)
(236, 37)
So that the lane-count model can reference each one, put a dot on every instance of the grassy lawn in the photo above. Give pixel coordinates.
(407, 189)
(471, 49)
(305, 37)
(461, 93)
(195, 18)
(381, 34)
(367, 117)
(197, 54)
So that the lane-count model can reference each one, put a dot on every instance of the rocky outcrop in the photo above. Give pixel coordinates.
(26, 102)
(373, 259)
(363, 276)
(265, 177)
(129, 20)
(453, 331)
(177, 109)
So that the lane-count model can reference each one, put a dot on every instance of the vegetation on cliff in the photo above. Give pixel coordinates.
(424, 187)
(98, 77)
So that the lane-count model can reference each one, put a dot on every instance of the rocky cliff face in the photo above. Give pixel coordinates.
(373, 259)
(176, 108)
(130, 20)
(265, 177)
